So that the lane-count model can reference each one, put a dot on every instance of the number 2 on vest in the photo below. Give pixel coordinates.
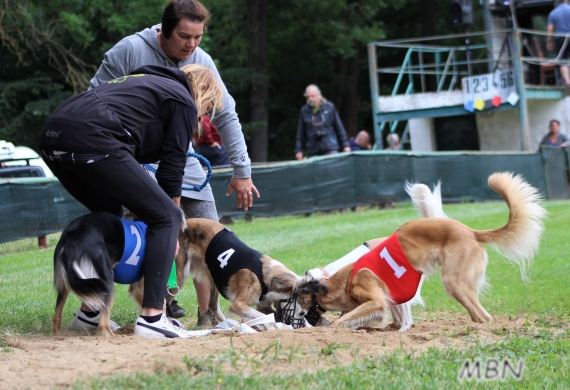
(398, 269)
(225, 256)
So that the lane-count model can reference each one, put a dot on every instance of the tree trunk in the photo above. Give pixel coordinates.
(352, 97)
(257, 64)
(429, 28)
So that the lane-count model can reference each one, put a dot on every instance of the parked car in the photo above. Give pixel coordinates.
(21, 161)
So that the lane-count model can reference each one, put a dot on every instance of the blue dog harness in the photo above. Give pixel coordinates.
(129, 269)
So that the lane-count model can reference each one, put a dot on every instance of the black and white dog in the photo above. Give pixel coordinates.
(95, 251)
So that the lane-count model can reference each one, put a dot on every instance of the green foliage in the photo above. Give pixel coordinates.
(62, 42)
(50, 50)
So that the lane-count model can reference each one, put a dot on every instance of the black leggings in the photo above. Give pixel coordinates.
(119, 180)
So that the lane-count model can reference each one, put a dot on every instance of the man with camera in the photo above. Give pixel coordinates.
(320, 129)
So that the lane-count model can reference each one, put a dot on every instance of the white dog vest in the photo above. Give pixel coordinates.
(389, 262)
(129, 269)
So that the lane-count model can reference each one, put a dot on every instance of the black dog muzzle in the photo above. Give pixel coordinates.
(286, 312)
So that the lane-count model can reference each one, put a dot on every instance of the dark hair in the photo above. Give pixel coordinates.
(554, 121)
(175, 10)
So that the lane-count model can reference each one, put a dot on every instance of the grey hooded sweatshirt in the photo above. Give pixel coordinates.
(142, 49)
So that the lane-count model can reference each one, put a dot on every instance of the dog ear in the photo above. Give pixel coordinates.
(314, 286)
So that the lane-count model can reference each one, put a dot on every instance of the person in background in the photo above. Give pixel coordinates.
(559, 22)
(320, 130)
(210, 144)
(393, 141)
(554, 138)
(175, 43)
(361, 141)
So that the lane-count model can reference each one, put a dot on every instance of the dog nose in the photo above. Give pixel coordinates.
(302, 314)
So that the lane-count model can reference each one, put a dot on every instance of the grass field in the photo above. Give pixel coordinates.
(27, 302)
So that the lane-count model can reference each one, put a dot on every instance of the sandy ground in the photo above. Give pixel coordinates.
(38, 362)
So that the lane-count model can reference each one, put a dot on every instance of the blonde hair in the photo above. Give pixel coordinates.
(206, 89)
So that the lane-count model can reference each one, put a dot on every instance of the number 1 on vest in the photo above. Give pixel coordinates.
(225, 256)
(398, 269)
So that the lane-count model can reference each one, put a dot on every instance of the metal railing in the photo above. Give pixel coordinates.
(438, 63)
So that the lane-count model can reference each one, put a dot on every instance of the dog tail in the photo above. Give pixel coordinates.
(519, 239)
(79, 270)
(427, 203)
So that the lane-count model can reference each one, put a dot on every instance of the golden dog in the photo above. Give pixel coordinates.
(428, 242)
(244, 287)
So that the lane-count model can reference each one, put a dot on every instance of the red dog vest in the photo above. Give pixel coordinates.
(389, 262)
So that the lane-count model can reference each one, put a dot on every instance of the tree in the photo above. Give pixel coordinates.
(267, 52)
(50, 50)
(257, 64)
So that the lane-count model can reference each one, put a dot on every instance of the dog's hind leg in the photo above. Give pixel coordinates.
(245, 292)
(57, 315)
(463, 282)
(105, 319)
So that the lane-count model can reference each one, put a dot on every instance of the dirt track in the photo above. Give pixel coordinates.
(60, 361)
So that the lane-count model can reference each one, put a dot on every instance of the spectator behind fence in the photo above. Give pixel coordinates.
(554, 138)
(393, 141)
(559, 22)
(209, 144)
(361, 141)
(320, 129)
(174, 43)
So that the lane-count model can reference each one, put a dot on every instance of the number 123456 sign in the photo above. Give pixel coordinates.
(487, 86)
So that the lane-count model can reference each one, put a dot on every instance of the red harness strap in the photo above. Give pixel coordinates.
(389, 262)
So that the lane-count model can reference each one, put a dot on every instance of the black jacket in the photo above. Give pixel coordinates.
(151, 114)
(321, 132)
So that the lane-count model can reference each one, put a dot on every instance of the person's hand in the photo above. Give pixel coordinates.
(177, 248)
(299, 155)
(346, 149)
(216, 145)
(244, 189)
(563, 144)
(549, 46)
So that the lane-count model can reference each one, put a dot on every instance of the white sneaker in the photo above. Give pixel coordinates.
(163, 328)
(82, 322)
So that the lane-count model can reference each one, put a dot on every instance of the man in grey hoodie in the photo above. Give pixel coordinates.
(174, 43)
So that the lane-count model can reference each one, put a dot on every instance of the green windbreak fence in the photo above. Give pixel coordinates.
(35, 207)
(361, 178)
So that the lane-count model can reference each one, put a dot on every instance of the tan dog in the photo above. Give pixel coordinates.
(243, 288)
(428, 242)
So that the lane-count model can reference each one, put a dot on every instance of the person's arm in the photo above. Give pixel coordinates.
(549, 37)
(300, 140)
(564, 140)
(118, 62)
(340, 132)
(229, 128)
(180, 121)
(227, 123)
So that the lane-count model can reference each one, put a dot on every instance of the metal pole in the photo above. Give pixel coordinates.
(375, 94)
(519, 77)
